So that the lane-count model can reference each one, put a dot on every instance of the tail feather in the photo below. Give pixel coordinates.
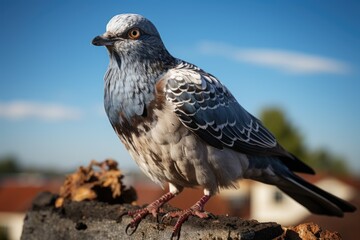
(273, 171)
(313, 198)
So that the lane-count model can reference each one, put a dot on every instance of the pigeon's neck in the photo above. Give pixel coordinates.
(130, 85)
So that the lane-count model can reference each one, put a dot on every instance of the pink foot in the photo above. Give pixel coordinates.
(196, 210)
(140, 214)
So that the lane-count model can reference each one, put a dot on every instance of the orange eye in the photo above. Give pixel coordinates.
(134, 33)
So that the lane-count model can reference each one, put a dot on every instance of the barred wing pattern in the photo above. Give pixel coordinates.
(209, 110)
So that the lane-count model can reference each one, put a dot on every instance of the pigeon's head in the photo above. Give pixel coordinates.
(131, 36)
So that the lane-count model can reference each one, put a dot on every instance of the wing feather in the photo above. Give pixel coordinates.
(209, 110)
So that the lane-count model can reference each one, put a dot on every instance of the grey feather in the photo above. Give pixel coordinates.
(214, 107)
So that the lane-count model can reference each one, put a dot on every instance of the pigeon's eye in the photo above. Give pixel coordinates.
(134, 33)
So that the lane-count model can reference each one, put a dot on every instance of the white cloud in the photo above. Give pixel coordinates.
(283, 60)
(37, 110)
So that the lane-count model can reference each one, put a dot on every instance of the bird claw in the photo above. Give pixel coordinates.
(132, 226)
(175, 233)
(183, 217)
(140, 214)
(196, 210)
(137, 215)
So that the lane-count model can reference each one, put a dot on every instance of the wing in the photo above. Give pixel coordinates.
(209, 110)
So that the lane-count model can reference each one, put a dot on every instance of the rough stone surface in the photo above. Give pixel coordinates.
(98, 220)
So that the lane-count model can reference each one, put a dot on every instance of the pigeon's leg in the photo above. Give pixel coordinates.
(196, 210)
(152, 208)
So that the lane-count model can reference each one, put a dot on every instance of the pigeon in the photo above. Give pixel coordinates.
(183, 127)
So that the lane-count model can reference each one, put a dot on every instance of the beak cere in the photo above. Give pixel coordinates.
(103, 41)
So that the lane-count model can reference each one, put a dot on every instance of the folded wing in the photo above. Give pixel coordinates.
(209, 110)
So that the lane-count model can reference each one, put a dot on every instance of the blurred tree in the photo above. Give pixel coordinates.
(290, 138)
(322, 159)
(287, 135)
(9, 164)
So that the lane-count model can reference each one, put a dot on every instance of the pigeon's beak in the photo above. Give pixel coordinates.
(104, 40)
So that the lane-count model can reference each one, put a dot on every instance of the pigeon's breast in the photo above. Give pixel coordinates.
(126, 98)
(159, 143)
(165, 150)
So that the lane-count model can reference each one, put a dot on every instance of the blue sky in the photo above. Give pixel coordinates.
(304, 58)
